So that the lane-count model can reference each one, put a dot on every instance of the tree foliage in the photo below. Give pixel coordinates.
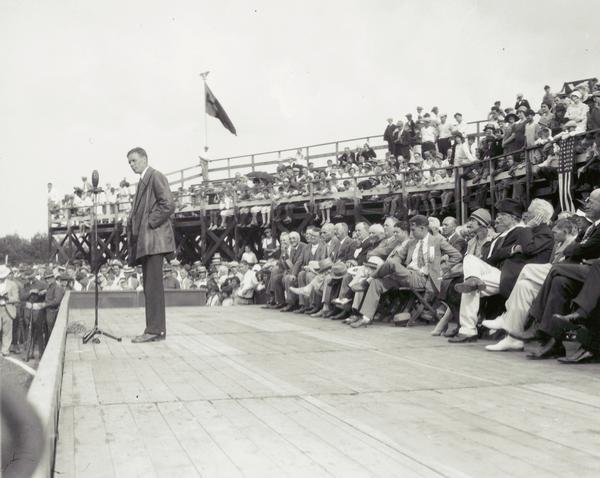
(19, 249)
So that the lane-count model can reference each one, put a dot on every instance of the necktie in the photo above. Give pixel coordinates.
(588, 233)
(420, 256)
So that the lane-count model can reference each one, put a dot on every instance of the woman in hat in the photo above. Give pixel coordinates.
(577, 111)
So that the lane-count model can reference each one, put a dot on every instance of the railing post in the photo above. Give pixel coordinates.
(252, 162)
(181, 177)
(458, 190)
(492, 169)
(229, 168)
(337, 151)
(528, 175)
(307, 156)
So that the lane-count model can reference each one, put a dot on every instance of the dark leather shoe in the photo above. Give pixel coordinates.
(344, 314)
(288, 308)
(579, 356)
(278, 306)
(470, 284)
(551, 348)
(140, 339)
(462, 339)
(300, 310)
(451, 331)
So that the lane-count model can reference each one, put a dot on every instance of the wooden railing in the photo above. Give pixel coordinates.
(267, 161)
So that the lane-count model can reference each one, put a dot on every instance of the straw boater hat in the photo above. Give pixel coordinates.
(4, 272)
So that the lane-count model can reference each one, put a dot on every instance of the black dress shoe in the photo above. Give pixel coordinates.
(462, 339)
(344, 314)
(550, 348)
(470, 284)
(579, 356)
(300, 310)
(140, 339)
(311, 310)
(288, 308)
(278, 306)
(330, 313)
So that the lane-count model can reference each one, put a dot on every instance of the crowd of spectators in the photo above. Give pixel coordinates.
(485, 270)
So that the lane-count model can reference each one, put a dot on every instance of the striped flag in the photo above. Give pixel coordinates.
(565, 173)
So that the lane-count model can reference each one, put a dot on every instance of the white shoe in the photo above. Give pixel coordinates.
(507, 343)
(496, 324)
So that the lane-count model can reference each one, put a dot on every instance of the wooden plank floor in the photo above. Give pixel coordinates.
(241, 391)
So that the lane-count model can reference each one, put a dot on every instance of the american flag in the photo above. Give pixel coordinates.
(565, 173)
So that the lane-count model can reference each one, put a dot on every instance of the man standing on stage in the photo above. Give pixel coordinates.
(150, 237)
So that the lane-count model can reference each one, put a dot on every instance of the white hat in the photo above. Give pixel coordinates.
(576, 93)
(256, 268)
(4, 272)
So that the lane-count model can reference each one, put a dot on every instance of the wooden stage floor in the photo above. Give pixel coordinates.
(242, 391)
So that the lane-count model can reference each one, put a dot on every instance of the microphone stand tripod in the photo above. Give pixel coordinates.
(95, 260)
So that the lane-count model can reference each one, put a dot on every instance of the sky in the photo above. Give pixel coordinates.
(82, 82)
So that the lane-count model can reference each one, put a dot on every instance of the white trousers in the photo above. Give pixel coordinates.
(469, 303)
(529, 284)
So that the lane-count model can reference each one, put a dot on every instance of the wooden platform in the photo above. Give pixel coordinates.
(241, 391)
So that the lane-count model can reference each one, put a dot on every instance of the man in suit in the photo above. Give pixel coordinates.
(315, 252)
(54, 296)
(410, 266)
(527, 287)
(332, 243)
(347, 246)
(294, 264)
(563, 283)
(275, 284)
(388, 135)
(449, 225)
(390, 241)
(150, 238)
(332, 287)
(514, 246)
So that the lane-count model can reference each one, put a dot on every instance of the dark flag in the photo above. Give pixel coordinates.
(566, 157)
(214, 108)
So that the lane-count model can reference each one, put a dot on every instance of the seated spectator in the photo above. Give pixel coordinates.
(593, 116)
(248, 284)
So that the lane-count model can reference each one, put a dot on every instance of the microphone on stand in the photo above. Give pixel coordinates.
(95, 178)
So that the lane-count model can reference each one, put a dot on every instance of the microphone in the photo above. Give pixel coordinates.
(95, 179)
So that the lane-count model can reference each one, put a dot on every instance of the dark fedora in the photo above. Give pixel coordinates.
(339, 270)
(510, 206)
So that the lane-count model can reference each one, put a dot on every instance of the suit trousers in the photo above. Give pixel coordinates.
(588, 298)
(403, 277)
(305, 278)
(527, 287)
(276, 287)
(290, 281)
(469, 303)
(154, 294)
(560, 287)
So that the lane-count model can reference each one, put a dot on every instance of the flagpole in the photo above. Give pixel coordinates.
(204, 75)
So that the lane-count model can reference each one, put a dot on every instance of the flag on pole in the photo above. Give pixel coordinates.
(566, 156)
(214, 109)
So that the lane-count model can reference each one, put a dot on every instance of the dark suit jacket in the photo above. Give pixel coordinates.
(297, 259)
(320, 253)
(388, 134)
(458, 243)
(536, 245)
(332, 248)
(589, 249)
(149, 228)
(366, 246)
(346, 250)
